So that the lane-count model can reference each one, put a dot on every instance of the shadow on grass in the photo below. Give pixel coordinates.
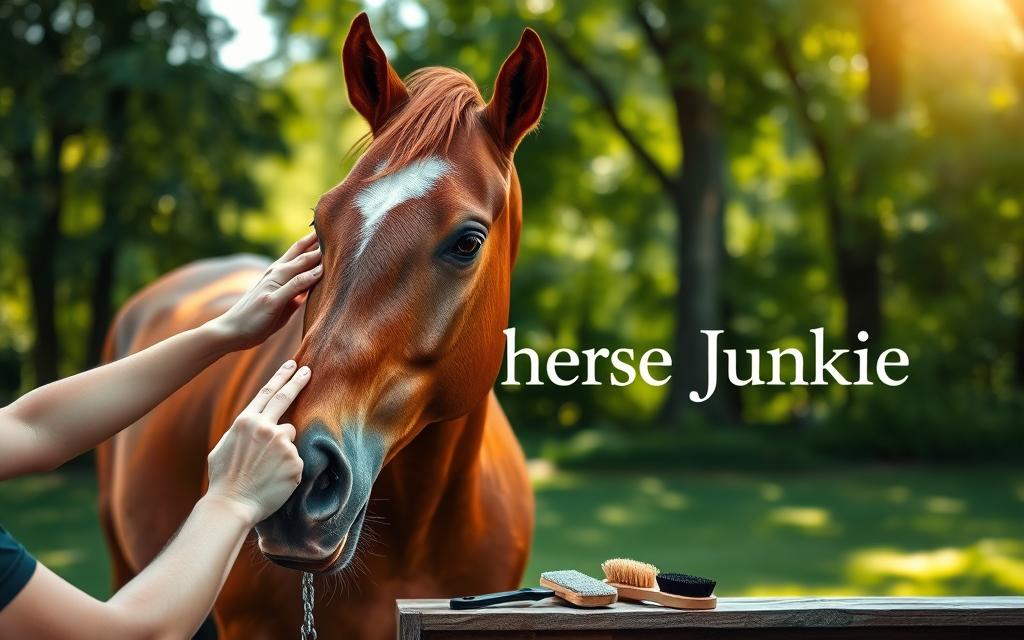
(861, 531)
(55, 516)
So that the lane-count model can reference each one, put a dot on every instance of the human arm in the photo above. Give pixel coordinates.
(54, 423)
(253, 470)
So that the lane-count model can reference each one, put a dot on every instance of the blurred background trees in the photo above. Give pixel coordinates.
(125, 151)
(763, 167)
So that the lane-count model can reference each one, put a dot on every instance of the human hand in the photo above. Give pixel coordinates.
(255, 465)
(268, 305)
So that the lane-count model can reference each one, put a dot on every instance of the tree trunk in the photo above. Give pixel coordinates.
(859, 277)
(883, 48)
(698, 204)
(860, 241)
(696, 196)
(854, 231)
(101, 300)
(41, 248)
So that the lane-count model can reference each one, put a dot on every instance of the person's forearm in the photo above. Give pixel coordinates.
(174, 594)
(71, 416)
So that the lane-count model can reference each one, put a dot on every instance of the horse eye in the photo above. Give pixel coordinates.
(468, 245)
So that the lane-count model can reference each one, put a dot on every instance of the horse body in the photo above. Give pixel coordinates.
(451, 513)
(413, 483)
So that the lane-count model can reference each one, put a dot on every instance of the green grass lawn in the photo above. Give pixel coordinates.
(861, 531)
(850, 531)
(55, 515)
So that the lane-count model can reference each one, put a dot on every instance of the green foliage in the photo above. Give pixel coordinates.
(165, 156)
(960, 425)
(596, 263)
(126, 151)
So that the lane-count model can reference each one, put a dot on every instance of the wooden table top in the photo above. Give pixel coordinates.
(736, 613)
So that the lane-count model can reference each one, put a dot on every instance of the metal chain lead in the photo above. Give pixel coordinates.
(306, 631)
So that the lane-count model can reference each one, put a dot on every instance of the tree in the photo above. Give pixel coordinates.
(864, 179)
(696, 46)
(121, 125)
(1017, 7)
(853, 225)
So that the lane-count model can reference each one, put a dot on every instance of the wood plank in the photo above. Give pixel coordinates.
(732, 613)
(777, 633)
(409, 624)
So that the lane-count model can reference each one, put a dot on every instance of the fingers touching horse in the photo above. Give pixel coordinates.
(402, 438)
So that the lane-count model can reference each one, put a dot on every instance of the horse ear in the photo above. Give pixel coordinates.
(374, 89)
(519, 92)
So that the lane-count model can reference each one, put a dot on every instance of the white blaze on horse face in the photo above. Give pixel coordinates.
(383, 195)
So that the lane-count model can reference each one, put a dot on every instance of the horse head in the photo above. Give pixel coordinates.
(405, 328)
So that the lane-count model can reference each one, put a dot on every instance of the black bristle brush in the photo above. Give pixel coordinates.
(682, 584)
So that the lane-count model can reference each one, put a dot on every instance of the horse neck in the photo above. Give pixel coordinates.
(437, 468)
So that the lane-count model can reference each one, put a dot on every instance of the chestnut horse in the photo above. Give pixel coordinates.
(403, 441)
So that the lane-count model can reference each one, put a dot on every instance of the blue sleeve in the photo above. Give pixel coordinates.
(16, 568)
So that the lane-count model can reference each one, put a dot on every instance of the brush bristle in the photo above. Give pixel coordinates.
(630, 572)
(578, 583)
(681, 584)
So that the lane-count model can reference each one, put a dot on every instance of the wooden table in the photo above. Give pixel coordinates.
(932, 618)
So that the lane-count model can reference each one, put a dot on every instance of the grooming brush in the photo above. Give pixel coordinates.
(572, 586)
(640, 581)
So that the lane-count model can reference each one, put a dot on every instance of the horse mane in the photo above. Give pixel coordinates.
(439, 99)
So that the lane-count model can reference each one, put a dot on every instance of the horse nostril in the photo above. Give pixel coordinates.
(326, 482)
(326, 479)
(326, 496)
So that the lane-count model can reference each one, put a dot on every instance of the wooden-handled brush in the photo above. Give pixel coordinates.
(640, 581)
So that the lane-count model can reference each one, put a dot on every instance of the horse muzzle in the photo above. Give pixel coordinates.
(317, 529)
